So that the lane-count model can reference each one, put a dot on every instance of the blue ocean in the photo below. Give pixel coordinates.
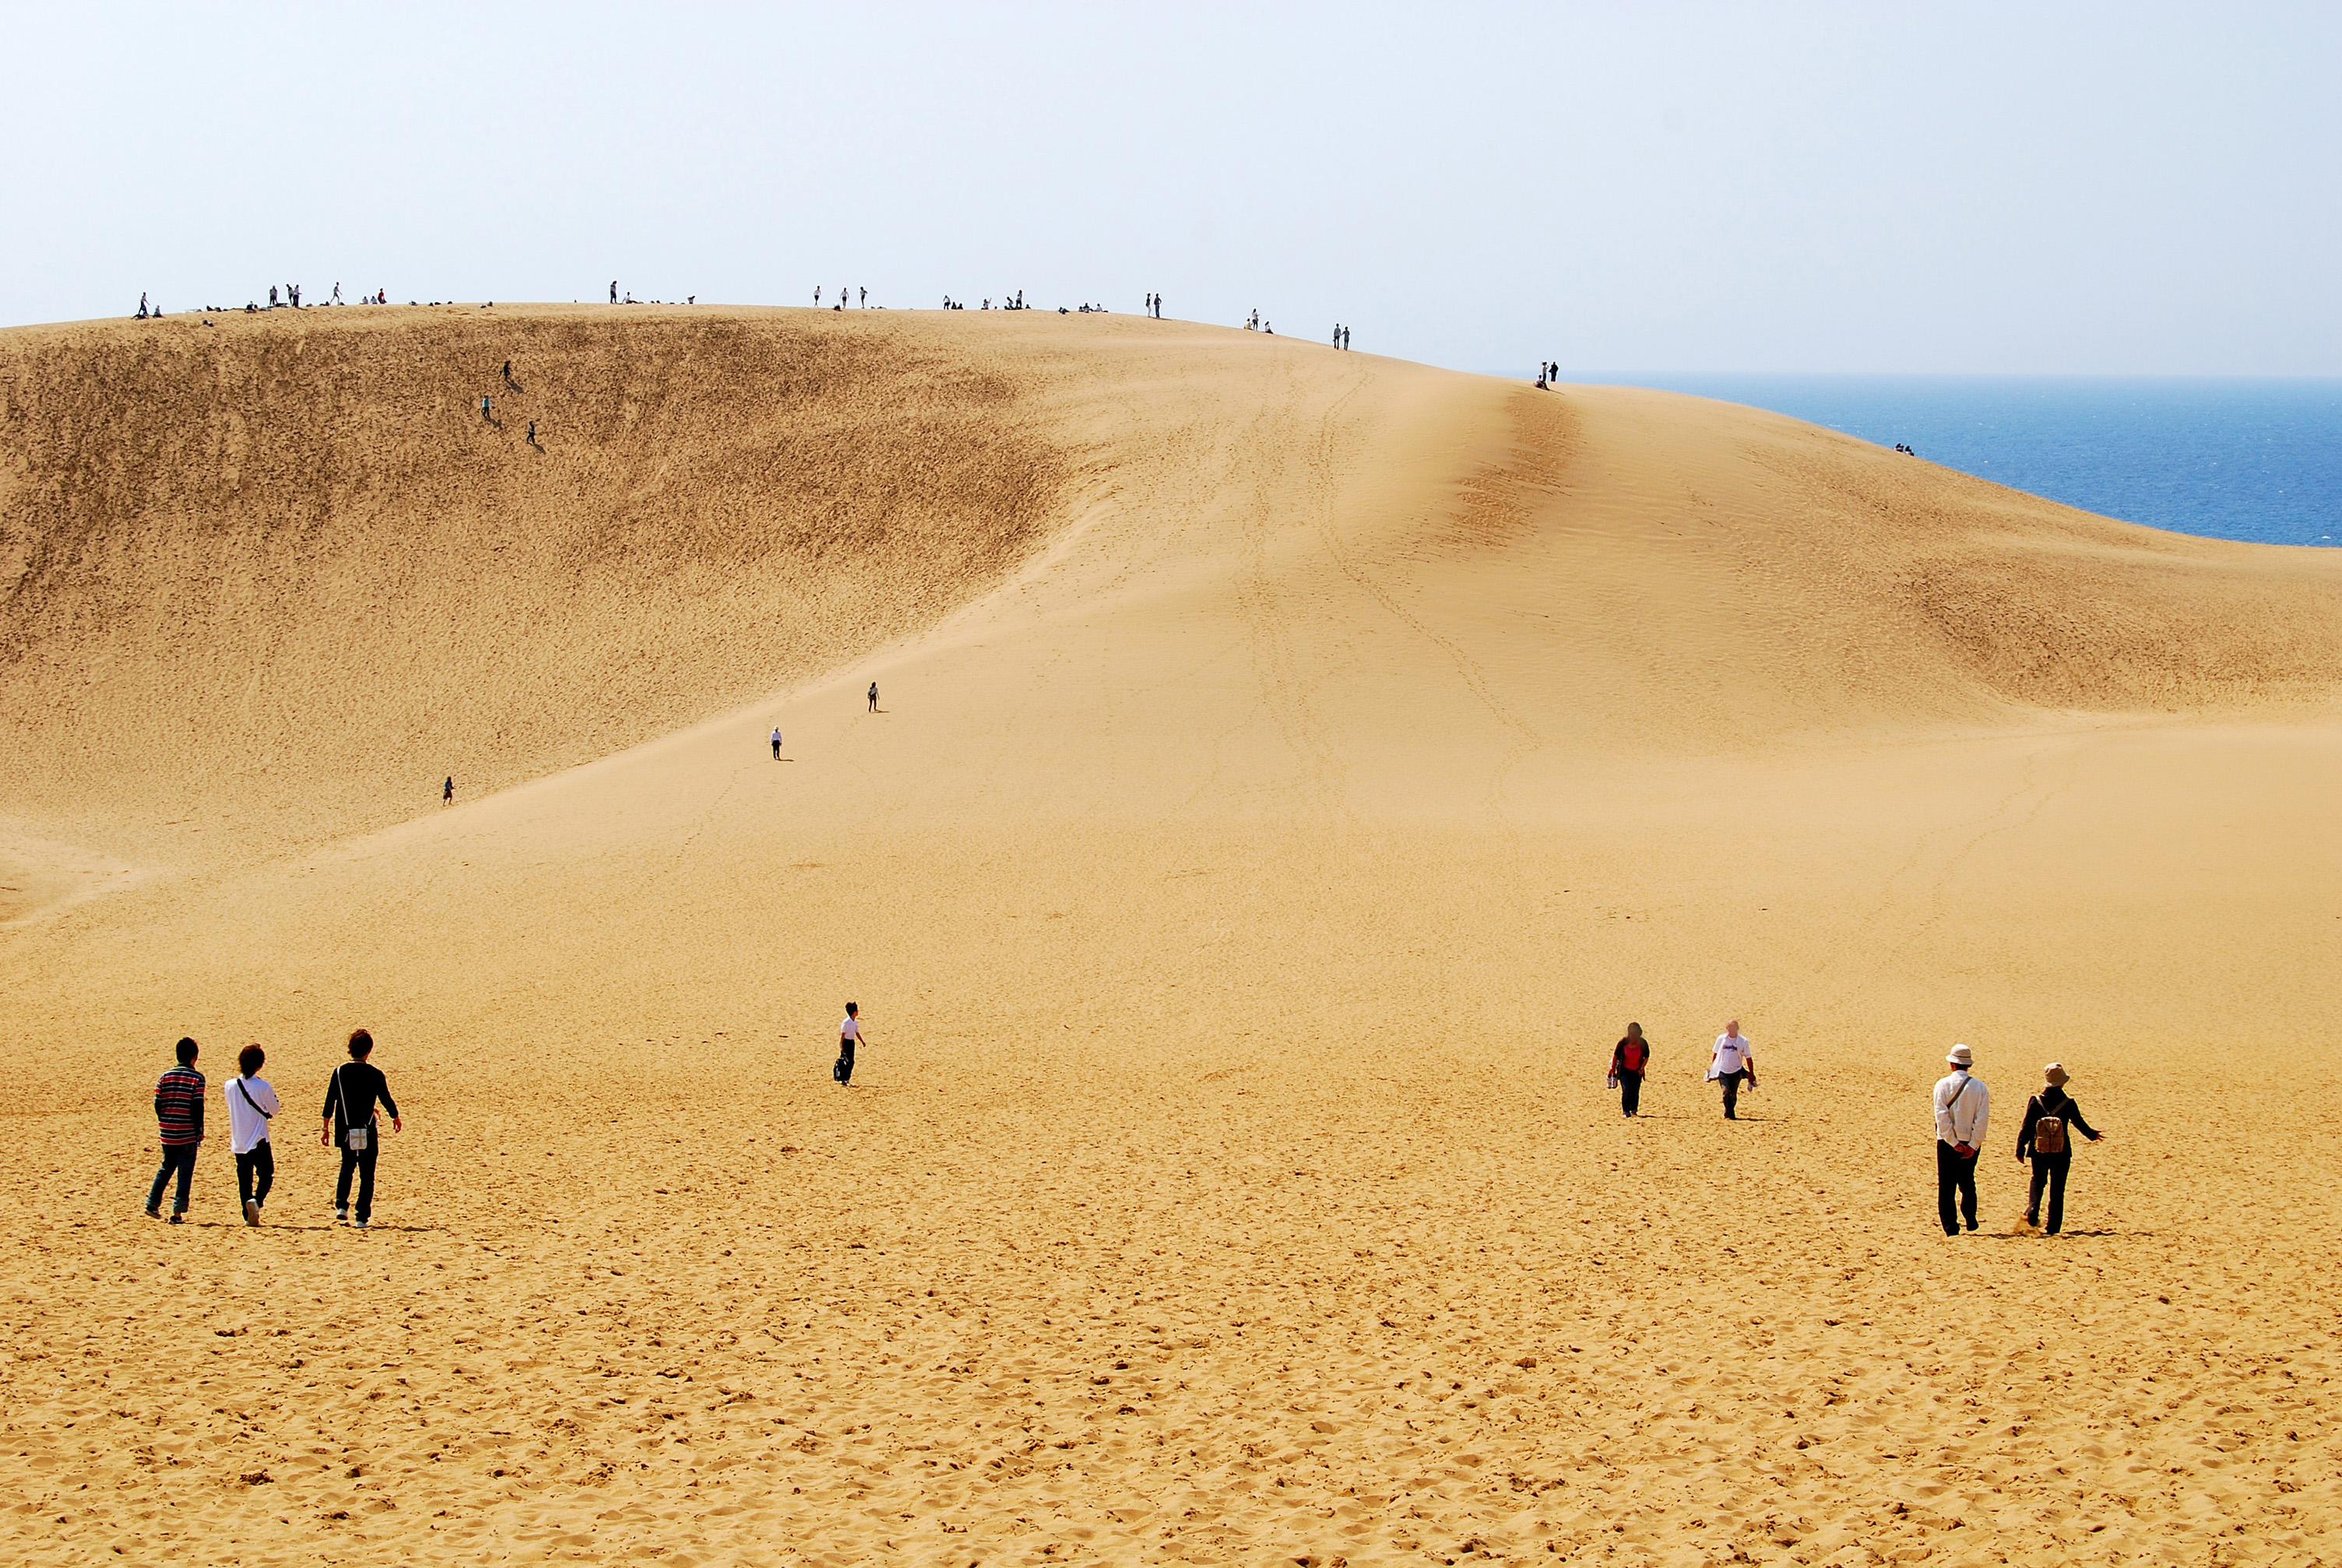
(2234, 459)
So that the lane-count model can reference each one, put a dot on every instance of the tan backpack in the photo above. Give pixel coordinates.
(2049, 1135)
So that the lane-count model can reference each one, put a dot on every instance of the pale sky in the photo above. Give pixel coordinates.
(2077, 189)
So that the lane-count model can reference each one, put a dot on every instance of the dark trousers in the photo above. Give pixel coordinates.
(2049, 1170)
(361, 1162)
(1630, 1091)
(1731, 1082)
(179, 1157)
(1955, 1178)
(255, 1172)
(843, 1071)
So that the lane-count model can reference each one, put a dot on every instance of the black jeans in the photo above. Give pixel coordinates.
(361, 1162)
(1954, 1177)
(255, 1172)
(843, 1071)
(1630, 1091)
(179, 1157)
(2049, 1170)
(1731, 1082)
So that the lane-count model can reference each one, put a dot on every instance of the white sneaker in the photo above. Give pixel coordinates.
(251, 1212)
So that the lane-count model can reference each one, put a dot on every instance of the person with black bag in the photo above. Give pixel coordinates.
(251, 1106)
(352, 1122)
(849, 1035)
(2051, 1120)
(1627, 1062)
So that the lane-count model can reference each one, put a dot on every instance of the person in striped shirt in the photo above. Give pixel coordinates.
(180, 1124)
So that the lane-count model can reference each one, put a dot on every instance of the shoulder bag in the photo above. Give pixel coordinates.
(353, 1135)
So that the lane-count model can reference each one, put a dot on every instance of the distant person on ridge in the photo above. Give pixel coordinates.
(447, 791)
(874, 696)
(142, 306)
(1962, 1106)
(179, 1128)
(614, 290)
(1627, 1063)
(1735, 1063)
(2051, 1120)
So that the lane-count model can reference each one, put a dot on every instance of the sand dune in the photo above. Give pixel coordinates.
(1293, 770)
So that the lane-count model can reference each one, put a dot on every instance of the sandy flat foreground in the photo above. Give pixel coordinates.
(1293, 769)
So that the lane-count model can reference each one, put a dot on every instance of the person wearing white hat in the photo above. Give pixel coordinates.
(2051, 1120)
(1963, 1105)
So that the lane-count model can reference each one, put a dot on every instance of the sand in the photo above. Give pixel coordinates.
(1293, 770)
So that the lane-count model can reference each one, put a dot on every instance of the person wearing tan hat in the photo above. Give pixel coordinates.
(2051, 1120)
(1962, 1106)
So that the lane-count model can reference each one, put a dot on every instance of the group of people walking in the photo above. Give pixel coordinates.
(1963, 1108)
(1733, 1063)
(2046, 1141)
(356, 1096)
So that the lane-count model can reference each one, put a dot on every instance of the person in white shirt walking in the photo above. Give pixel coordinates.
(1735, 1063)
(1962, 1106)
(251, 1103)
(849, 1035)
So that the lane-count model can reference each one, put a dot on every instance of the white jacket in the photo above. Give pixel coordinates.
(1961, 1112)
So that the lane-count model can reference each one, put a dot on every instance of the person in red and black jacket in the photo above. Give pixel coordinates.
(2050, 1165)
(1627, 1063)
(179, 1123)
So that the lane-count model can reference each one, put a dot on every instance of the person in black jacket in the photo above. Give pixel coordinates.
(2049, 1165)
(352, 1122)
(1627, 1063)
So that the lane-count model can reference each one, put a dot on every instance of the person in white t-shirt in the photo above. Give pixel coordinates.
(849, 1035)
(1735, 1063)
(251, 1103)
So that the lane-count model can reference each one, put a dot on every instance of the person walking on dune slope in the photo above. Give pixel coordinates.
(849, 1035)
(874, 696)
(1628, 1061)
(776, 742)
(179, 1128)
(1962, 1106)
(251, 1104)
(1734, 1063)
(352, 1120)
(2051, 1120)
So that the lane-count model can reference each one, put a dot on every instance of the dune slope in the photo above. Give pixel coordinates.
(281, 574)
(1292, 770)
